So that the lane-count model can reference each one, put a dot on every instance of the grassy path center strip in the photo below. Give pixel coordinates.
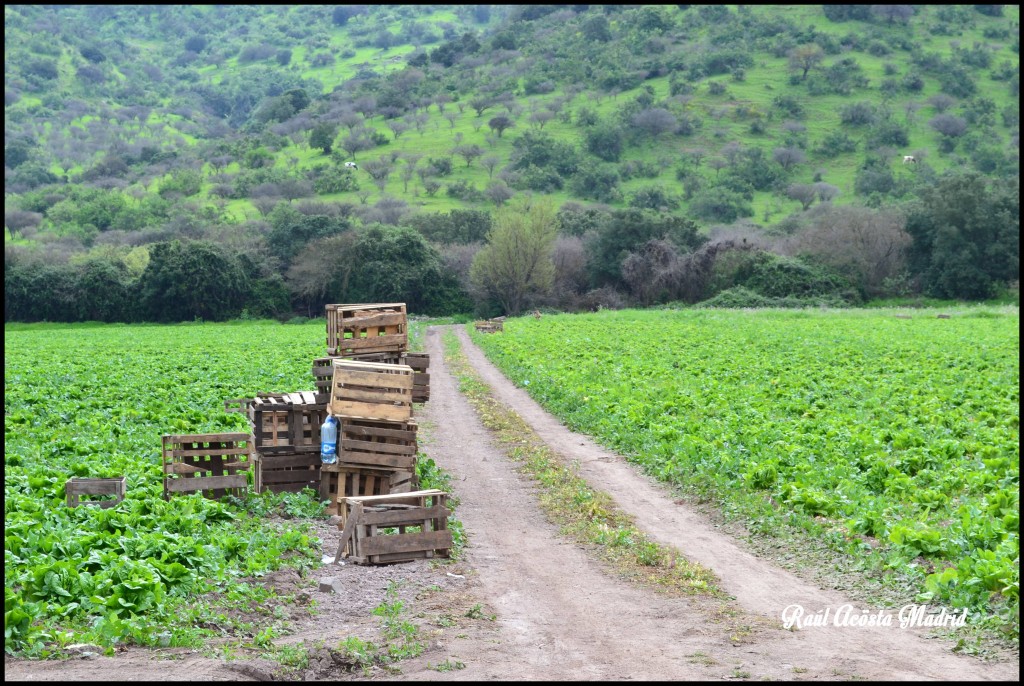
(586, 515)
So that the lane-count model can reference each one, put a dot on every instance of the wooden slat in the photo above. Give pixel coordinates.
(400, 377)
(206, 483)
(350, 526)
(210, 452)
(373, 395)
(287, 461)
(404, 498)
(427, 540)
(352, 428)
(390, 342)
(371, 410)
(206, 438)
(377, 447)
(364, 321)
(110, 486)
(378, 460)
(405, 516)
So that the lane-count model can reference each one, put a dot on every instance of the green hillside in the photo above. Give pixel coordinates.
(132, 125)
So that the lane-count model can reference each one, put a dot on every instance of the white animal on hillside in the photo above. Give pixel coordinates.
(351, 165)
(909, 159)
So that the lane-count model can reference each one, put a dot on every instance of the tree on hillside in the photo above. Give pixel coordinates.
(469, 152)
(788, 157)
(500, 123)
(805, 57)
(804, 193)
(596, 29)
(655, 121)
(516, 265)
(322, 137)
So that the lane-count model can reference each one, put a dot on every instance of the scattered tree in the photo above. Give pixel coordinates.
(515, 265)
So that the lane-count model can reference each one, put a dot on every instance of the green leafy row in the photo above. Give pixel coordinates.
(894, 440)
(94, 401)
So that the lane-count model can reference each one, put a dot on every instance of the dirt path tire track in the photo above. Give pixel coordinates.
(648, 636)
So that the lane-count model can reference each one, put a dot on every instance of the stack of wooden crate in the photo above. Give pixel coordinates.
(376, 435)
(372, 381)
(368, 382)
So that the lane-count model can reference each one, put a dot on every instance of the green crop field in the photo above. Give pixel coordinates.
(94, 401)
(895, 440)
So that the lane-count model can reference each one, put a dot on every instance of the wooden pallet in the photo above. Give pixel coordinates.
(421, 520)
(287, 472)
(358, 329)
(323, 370)
(371, 390)
(77, 486)
(378, 444)
(212, 464)
(489, 326)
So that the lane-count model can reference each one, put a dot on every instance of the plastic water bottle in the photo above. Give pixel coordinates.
(329, 441)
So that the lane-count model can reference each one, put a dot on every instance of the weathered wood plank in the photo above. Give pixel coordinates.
(398, 377)
(206, 483)
(427, 540)
(371, 410)
(348, 444)
(404, 516)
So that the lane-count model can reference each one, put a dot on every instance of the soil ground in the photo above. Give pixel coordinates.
(525, 604)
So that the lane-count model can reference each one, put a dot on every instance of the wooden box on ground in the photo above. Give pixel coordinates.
(489, 326)
(355, 329)
(287, 422)
(287, 472)
(420, 518)
(77, 486)
(371, 390)
(213, 464)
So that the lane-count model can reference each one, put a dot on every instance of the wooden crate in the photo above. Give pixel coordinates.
(287, 422)
(323, 370)
(357, 329)
(378, 444)
(364, 519)
(489, 326)
(213, 464)
(287, 472)
(77, 486)
(339, 480)
(371, 390)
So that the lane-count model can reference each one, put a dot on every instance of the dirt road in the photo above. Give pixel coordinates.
(557, 613)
